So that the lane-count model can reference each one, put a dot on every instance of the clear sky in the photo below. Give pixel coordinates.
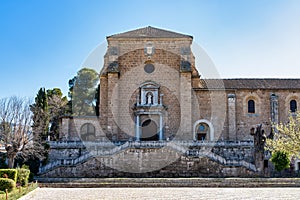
(43, 43)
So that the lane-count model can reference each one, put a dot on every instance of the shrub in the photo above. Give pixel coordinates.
(6, 183)
(281, 160)
(23, 175)
(10, 173)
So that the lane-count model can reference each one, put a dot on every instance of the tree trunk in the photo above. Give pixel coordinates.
(11, 154)
(11, 160)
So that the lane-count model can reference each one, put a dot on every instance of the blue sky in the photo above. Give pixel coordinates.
(43, 43)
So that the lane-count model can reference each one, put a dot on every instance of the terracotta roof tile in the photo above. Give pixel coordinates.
(267, 83)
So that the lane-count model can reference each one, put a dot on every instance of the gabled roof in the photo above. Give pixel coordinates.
(267, 83)
(149, 32)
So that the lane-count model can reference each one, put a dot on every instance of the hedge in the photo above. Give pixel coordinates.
(6, 183)
(23, 176)
(10, 173)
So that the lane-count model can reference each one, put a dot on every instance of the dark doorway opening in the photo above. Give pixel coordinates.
(149, 131)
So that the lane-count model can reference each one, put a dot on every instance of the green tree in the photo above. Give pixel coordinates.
(286, 137)
(49, 105)
(82, 89)
(281, 160)
(57, 107)
(41, 117)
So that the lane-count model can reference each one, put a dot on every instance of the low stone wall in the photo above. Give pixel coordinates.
(169, 182)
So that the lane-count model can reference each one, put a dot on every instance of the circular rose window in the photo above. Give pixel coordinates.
(149, 68)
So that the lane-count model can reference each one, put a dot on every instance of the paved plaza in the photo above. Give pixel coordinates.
(163, 193)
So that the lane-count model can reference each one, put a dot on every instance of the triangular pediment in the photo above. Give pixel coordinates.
(150, 32)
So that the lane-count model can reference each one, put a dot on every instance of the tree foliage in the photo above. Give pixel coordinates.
(286, 137)
(82, 89)
(48, 107)
(57, 107)
(281, 160)
(40, 110)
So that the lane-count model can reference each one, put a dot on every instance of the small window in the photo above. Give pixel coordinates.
(202, 128)
(201, 132)
(251, 106)
(149, 68)
(87, 132)
(293, 106)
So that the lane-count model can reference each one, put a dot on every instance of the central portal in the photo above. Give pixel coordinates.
(149, 112)
(149, 131)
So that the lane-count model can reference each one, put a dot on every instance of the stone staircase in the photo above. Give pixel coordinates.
(187, 148)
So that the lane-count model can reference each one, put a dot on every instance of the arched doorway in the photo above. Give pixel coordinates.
(203, 131)
(149, 131)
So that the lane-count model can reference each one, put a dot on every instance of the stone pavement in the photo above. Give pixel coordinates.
(162, 193)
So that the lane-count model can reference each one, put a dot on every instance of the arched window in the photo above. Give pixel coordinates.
(293, 106)
(251, 106)
(87, 132)
(202, 132)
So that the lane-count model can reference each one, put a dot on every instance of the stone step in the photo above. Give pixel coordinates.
(167, 182)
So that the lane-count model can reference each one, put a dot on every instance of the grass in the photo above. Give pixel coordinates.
(19, 192)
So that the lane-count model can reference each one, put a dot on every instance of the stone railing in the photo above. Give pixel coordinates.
(64, 162)
(188, 148)
(145, 144)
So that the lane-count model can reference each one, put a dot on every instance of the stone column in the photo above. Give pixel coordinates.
(103, 101)
(137, 128)
(274, 109)
(160, 127)
(113, 97)
(231, 117)
(64, 133)
(161, 99)
(185, 106)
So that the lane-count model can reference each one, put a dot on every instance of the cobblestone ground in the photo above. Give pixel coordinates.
(163, 193)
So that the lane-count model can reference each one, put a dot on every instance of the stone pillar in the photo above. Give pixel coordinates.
(185, 106)
(64, 133)
(137, 128)
(161, 99)
(160, 127)
(274, 110)
(113, 96)
(231, 117)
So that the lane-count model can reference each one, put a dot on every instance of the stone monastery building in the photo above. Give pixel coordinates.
(160, 118)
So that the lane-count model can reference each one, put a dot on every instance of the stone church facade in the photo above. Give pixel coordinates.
(160, 118)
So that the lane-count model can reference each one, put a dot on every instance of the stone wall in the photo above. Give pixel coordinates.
(234, 123)
(184, 167)
(71, 128)
(124, 72)
(262, 98)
